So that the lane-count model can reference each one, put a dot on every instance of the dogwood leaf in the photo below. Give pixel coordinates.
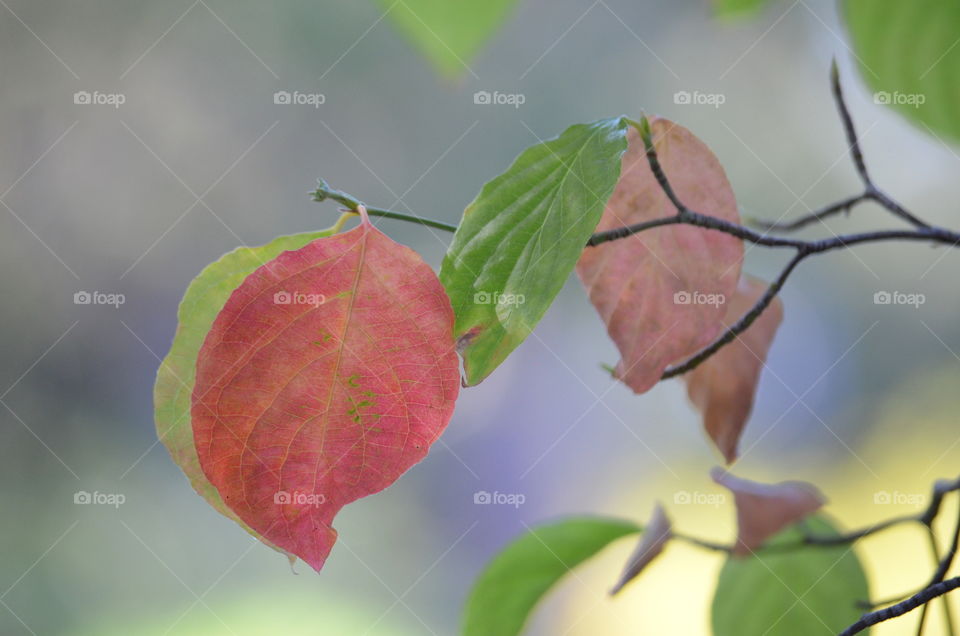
(811, 590)
(662, 292)
(908, 55)
(655, 537)
(448, 32)
(723, 386)
(521, 237)
(763, 510)
(204, 299)
(511, 585)
(329, 372)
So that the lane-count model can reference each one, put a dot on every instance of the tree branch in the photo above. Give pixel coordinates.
(920, 598)
(844, 205)
(686, 216)
(870, 191)
(921, 231)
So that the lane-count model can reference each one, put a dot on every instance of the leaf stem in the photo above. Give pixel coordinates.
(324, 192)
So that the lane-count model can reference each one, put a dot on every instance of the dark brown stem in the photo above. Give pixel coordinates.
(804, 248)
(922, 597)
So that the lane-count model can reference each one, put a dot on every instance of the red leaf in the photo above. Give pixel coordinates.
(763, 510)
(655, 536)
(723, 386)
(661, 292)
(329, 372)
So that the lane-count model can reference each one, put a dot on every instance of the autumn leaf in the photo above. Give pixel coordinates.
(724, 385)
(201, 303)
(655, 536)
(763, 510)
(662, 292)
(329, 372)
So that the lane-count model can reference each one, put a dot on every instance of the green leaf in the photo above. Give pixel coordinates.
(738, 8)
(204, 299)
(521, 237)
(908, 55)
(448, 32)
(517, 578)
(810, 590)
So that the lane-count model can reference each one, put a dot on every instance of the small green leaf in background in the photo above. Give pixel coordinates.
(521, 237)
(909, 58)
(738, 8)
(204, 299)
(759, 594)
(518, 577)
(448, 32)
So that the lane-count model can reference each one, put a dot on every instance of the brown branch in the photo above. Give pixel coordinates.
(804, 248)
(922, 597)
(870, 191)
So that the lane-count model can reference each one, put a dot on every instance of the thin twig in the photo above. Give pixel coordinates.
(844, 205)
(741, 325)
(686, 216)
(870, 191)
(853, 141)
(935, 551)
(324, 192)
(920, 598)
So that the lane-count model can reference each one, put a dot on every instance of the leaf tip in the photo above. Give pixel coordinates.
(657, 533)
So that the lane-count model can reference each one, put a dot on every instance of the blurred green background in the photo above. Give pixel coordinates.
(859, 398)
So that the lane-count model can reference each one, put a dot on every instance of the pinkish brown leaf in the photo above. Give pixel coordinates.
(661, 292)
(329, 372)
(656, 534)
(763, 510)
(723, 386)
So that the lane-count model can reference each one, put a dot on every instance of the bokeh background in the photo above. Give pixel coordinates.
(135, 200)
